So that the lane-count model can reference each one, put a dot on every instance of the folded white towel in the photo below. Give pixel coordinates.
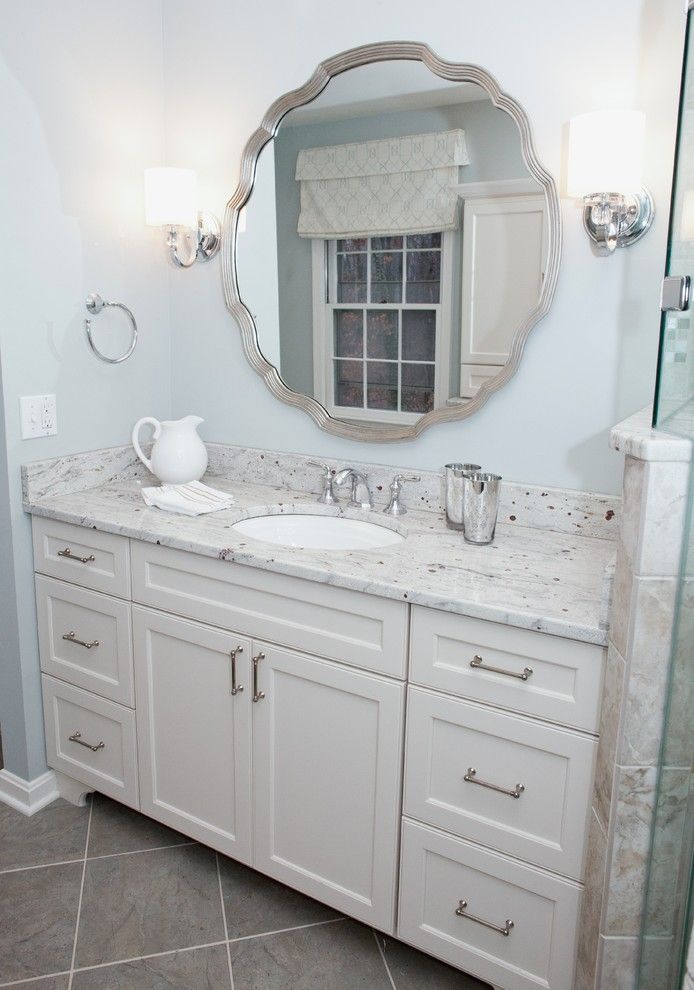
(192, 499)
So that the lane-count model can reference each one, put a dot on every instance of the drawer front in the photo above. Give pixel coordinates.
(541, 911)
(100, 561)
(330, 622)
(85, 639)
(455, 748)
(91, 739)
(561, 682)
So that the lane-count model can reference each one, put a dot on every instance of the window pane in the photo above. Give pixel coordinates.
(381, 385)
(386, 277)
(423, 276)
(352, 244)
(417, 388)
(424, 240)
(349, 333)
(351, 278)
(386, 243)
(349, 384)
(418, 335)
(382, 333)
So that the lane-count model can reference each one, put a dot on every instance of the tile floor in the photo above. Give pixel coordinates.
(102, 898)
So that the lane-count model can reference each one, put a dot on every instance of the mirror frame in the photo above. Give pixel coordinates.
(461, 72)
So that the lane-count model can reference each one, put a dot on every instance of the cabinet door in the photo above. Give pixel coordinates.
(194, 735)
(327, 748)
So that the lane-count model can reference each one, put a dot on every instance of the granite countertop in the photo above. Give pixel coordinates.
(555, 582)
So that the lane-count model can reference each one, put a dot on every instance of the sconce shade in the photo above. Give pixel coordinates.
(171, 197)
(605, 152)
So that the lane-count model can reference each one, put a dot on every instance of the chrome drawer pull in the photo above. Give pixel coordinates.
(71, 638)
(257, 695)
(478, 662)
(67, 552)
(471, 778)
(235, 688)
(77, 737)
(462, 913)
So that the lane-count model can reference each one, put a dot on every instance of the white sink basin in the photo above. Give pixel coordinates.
(318, 532)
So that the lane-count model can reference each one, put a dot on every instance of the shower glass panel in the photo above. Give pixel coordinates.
(669, 904)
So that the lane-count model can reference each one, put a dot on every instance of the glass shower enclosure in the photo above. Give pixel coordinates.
(669, 899)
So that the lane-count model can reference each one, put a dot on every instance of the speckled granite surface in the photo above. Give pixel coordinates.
(560, 510)
(531, 577)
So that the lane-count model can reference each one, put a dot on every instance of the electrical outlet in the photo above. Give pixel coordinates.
(39, 417)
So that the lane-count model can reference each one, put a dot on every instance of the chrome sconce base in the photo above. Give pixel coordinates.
(186, 246)
(615, 220)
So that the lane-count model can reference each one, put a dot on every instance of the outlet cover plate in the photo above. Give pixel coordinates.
(39, 416)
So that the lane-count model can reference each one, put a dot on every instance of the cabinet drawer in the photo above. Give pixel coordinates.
(550, 769)
(562, 678)
(85, 638)
(438, 872)
(91, 739)
(336, 623)
(100, 561)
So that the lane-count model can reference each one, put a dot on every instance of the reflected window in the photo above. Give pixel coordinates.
(382, 323)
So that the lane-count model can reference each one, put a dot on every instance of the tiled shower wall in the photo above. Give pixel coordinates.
(654, 498)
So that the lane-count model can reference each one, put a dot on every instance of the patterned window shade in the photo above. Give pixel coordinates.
(375, 188)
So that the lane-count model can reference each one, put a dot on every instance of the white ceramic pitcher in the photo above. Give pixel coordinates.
(178, 455)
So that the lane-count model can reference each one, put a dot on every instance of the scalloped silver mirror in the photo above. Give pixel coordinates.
(392, 242)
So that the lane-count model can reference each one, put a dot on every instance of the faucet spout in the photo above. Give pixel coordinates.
(360, 495)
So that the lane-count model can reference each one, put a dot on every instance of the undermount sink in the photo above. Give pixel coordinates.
(312, 532)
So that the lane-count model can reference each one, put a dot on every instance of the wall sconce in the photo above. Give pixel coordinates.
(171, 201)
(605, 163)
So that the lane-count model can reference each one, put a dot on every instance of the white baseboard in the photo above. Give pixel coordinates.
(28, 796)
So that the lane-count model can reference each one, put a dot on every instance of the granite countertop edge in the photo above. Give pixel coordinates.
(305, 564)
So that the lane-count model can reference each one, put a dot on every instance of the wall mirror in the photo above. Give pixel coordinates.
(392, 242)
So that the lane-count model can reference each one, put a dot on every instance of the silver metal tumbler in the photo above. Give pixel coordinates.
(480, 506)
(454, 475)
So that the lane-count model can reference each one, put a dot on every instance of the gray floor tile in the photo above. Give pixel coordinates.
(55, 833)
(117, 829)
(338, 956)
(38, 913)
(149, 902)
(48, 983)
(199, 969)
(412, 970)
(255, 904)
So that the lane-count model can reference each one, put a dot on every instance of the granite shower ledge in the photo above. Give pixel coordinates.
(533, 579)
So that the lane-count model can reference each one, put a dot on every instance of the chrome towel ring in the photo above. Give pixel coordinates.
(95, 304)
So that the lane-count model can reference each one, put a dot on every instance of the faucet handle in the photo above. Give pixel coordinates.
(327, 496)
(399, 478)
(394, 507)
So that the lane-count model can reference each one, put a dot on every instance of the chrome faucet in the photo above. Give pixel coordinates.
(395, 506)
(358, 482)
(327, 496)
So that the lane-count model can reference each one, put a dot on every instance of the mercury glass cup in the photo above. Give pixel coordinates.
(480, 506)
(454, 475)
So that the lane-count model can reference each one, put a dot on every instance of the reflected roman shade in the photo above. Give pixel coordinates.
(396, 185)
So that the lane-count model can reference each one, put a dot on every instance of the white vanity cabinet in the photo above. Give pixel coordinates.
(264, 715)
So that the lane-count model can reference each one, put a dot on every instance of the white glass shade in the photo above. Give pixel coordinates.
(605, 152)
(171, 197)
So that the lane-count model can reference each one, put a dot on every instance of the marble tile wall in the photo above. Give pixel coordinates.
(654, 499)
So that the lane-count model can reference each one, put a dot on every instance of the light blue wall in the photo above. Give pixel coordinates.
(493, 146)
(81, 116)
